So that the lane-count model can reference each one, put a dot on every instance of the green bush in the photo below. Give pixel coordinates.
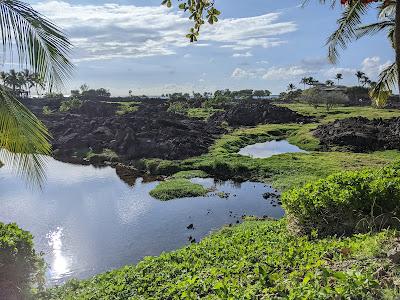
(347, 202)
(21, 269)
(70, 104)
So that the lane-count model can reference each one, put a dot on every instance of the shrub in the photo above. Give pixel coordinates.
(47, 111)
(70, 104)
(347, 202)
(21, 268)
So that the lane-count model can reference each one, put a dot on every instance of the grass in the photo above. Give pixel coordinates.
(201, 113)
(282, 171)
(341, 112)
(177, 188)
(126, 107)
(190, 174)
(106, 155)
(255, 260)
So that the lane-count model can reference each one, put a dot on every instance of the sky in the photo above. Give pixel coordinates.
(141, 46)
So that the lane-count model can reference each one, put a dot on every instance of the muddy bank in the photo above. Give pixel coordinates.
(360, 135)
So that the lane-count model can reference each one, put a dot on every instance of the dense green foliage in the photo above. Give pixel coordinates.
(347, 202)
(177, 188)
(21, 269)
(256, 260)
(190, 174)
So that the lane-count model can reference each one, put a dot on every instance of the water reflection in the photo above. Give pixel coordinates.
(59, 264)
(87, 220)
(268, 149)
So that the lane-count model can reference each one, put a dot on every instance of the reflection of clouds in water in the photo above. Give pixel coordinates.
(134, 203)
(67, 174)
(59, 265)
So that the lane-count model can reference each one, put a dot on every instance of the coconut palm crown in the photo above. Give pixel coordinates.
(41, 47)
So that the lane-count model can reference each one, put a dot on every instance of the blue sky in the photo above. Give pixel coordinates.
(259, 44)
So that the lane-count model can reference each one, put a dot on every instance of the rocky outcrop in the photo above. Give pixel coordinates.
(150, 132)
(360, 134)
(251, 113)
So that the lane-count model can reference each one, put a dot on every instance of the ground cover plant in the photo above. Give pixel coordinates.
(347, 202)
(177, 188)
(255, 260)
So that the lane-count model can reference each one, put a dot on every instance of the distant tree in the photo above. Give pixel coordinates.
(365, 80)
(130, 93)
(75, 93)
(84, 88)
(316, 97)
(260, 93)
(290, 96)
(359, 76)
(291, 87)
(304, 81)
(339, 77)
(330, 83)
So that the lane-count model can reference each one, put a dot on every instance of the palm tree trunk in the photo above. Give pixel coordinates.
(397, 40)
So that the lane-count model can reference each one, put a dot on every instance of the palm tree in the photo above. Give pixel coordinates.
(364, 80)
(330, 83)
(43, 47)
(359, 76)
(12, 79)
(3, 77)
(304, 81)
(339, 77)
(350, 28)
(291, 87)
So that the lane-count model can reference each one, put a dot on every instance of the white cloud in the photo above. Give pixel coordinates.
(372, 66)
(246, 54)
(331, 72)
(107, 31)
(275, 73)
(240, 73)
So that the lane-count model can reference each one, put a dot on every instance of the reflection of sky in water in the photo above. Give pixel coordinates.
(59, 264)
(87, 220)
(268, 149)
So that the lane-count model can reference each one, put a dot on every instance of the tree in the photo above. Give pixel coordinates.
(44, 48)
(359, 76)
(315, 97)
(304, 81)
(364, 80)
(338, 77)
(350, 28)
(330, 83)
(199, 11)
(291, 87)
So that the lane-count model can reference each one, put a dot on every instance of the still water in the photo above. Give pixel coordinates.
(268, 149)
(86, 220)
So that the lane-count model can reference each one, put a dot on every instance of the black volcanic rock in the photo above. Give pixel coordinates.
(360, 134)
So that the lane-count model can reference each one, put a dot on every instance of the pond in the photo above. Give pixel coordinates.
(268, 149)
(86, 220)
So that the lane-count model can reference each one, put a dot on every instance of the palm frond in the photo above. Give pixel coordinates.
(374, 28)
(39, 44)
(23, 139)
(347, 26)
(383, 89)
